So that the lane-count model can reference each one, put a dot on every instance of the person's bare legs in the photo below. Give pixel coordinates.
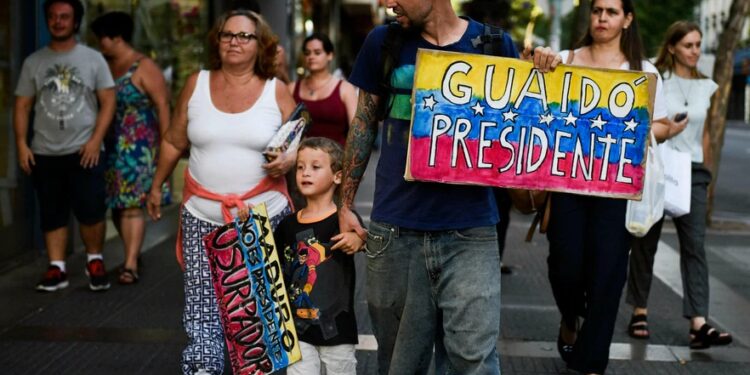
(131, 225)
(93, 237)
(56, 240)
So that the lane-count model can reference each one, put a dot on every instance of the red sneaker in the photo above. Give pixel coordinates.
(97, 274)
(52, 280)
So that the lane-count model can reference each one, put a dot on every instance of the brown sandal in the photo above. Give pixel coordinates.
(127, 277)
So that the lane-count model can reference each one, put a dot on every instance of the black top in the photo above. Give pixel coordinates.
(320, 281)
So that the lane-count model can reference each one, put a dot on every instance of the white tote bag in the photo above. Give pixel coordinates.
(677, 180)
(642, 215)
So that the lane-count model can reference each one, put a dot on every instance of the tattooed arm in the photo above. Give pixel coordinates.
(362, 132)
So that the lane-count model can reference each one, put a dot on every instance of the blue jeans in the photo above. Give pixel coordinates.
(423, 286)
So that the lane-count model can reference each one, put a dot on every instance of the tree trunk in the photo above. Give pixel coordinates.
(723, 69)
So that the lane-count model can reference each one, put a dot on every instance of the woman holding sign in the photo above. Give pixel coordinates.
(588, 241)
(688, 94)
(227, 115)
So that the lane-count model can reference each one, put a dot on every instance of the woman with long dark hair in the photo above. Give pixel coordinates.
(588, 251)
(688, 92)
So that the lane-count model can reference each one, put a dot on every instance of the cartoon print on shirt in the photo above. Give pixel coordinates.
(303, 259)
(61, 94)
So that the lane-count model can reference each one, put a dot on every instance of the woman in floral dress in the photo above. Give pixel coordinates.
(131, 145)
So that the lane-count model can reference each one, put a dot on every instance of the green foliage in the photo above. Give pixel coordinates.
(567, 30)
(520, 16)
(511, 15)
(654, 17)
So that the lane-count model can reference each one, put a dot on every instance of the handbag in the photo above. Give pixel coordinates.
(642, 215)
(528, 201)
(677, 180)
(536, 202)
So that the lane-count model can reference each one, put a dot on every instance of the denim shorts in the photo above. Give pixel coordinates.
(62, 184)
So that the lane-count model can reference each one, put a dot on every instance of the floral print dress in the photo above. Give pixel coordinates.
(131, 147)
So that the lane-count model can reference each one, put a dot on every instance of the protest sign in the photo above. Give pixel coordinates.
(253, 304)
(497, 121)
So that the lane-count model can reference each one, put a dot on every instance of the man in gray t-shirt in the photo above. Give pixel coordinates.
(72, 93)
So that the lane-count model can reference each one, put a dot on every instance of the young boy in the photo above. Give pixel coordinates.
(319, 266)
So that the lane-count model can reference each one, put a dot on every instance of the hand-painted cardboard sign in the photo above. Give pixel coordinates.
(496, 121)
(253, 304)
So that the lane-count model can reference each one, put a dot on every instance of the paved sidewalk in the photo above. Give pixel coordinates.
(136, 329)
(530, 321)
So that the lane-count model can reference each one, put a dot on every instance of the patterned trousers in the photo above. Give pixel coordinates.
(205, 349)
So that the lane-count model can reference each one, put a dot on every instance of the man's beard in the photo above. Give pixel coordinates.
(63, 37)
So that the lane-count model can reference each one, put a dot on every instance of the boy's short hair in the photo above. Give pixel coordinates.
(329, 146)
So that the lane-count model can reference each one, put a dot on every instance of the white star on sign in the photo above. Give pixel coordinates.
(630, 125)
(546, 119)
(510, 116)
(570, 119)
(478, 109)
(598, 122)
(429, 102)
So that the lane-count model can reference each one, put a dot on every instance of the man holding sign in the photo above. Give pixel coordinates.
(433, 268)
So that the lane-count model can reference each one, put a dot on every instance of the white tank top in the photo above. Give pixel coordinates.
(225, 152)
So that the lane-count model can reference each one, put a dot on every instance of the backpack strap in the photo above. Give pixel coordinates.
(491, 40)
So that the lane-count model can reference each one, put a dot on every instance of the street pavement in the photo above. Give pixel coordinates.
(136, 329)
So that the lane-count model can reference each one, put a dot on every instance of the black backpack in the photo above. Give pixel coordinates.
(491, 41)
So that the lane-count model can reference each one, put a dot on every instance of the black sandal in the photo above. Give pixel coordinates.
(639, 323)
(127, 277)
(708, 336)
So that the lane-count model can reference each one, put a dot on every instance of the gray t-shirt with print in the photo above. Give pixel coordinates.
(64, 85)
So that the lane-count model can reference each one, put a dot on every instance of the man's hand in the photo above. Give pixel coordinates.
(544, 59)
(90, 153)
(348, 222)
(348, 242)
(153, 203)
(25, 158)
(280, 164)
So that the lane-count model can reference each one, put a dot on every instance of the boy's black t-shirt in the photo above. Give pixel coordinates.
(320, 281)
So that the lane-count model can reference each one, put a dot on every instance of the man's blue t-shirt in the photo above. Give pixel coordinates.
(418, 205)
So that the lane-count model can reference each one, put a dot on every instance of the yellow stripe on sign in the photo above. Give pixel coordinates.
(460, 75)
